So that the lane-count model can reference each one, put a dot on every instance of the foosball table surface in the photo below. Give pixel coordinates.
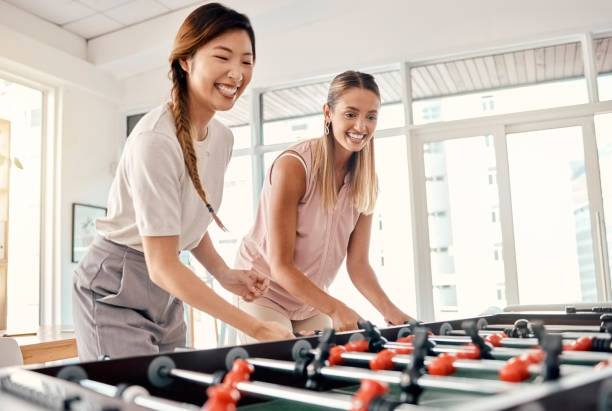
(470, 387)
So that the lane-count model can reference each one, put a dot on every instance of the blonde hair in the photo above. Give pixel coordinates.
(362, 175)
(201, 26)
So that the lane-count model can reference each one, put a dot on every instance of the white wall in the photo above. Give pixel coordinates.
(143, 91)
(89, 133)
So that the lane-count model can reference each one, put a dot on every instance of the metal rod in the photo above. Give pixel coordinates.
(504, 353)
(267, 390)
(470, 385)
(549, 328)
(342, 373)
(505, 342)
(568, 338)
(206, 379)
(477, 365)
(144, 400)
(161, 404)
(99, 387)
(457, 336)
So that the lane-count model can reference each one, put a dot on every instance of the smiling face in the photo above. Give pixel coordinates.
(219, 71)
(353, 118)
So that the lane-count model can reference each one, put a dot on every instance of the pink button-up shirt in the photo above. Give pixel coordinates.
(321, 239)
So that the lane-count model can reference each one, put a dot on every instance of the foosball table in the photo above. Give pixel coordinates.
(509, 361)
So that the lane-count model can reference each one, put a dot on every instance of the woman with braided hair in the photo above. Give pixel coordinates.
(128, 289)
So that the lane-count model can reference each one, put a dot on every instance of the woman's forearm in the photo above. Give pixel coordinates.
(303, 289)
(181, 282)
(208, 256)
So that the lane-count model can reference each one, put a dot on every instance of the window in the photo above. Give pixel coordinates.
(20, 204)
(497, 252)
(603, 64)
(237, 195)
(437, 214)
(552, 227)
(268, 158)
(390, 251)
(242, 136)
(238, 120)
(603, 130)
(293, 130)
(446, 298)
(463, 227)
(432, 147)
(501, 297)
(496, 84)
(431, 112)
(488, 104)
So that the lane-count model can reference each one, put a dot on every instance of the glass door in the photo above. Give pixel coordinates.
(463, 215)
(513, 214)
(603, 132)
(551, 216)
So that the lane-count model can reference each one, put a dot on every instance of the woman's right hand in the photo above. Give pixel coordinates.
(271, 330)
(345, 319)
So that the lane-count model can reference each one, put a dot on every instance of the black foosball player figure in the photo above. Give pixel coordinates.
(484, 347)
(521, 329)
(539, 331)
(321, 354)
(376, 342)
(411, 390)
(553, 346)
(606, 323)
(409, 382)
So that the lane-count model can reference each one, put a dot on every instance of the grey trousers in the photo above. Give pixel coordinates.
(117, 310)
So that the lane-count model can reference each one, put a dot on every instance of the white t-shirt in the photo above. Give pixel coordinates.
(152, 193)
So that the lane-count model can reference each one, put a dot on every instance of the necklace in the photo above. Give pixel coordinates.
(204, 136)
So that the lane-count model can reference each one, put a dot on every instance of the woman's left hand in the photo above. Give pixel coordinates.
(397, 317)
(248, 284)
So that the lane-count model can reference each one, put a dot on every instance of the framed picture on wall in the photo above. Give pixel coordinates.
(84, 228)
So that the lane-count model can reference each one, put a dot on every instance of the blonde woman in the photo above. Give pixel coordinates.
(316, 209)
(128, 289)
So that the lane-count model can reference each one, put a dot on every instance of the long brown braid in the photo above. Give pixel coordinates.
(202, 25)
(179, 107)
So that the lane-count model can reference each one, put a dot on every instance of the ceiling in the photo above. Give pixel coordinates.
(93, 18)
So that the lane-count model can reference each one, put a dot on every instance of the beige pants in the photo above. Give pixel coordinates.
(316, 322)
